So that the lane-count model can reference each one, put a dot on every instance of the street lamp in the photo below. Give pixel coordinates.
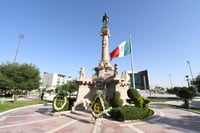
(20, 36)
(187, 79)
(190, 71)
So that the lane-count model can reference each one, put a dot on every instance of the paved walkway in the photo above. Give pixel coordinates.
(39, 119)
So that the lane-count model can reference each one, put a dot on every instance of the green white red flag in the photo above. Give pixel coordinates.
(121, 50)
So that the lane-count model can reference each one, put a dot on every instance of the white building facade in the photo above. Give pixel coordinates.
(53, 80)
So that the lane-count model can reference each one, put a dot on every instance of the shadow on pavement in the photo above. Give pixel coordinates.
(195, 104)
(79, 119)
(187, 123)
(46, 110)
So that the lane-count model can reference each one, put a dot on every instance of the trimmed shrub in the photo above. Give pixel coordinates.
(146, 104)
(116, 101)
(139, 102)
(130, 113)
(133, 94)
(136, 99)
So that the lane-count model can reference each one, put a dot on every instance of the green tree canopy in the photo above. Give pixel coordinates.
(17, 77)
(5, 83)
(186, 94)
(67, 88)
(196, 83)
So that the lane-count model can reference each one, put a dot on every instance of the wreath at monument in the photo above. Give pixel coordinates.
(97, 108)
(60, 103)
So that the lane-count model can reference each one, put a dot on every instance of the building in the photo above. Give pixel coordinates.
(141, 80)
(53, 80)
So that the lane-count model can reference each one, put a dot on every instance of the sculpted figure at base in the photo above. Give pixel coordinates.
(115, 69)
(82, 72)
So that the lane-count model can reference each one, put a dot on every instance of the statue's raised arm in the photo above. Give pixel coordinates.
(105, 19)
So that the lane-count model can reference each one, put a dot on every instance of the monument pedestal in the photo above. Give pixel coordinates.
(109, 81)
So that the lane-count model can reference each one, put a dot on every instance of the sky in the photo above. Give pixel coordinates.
(61, 36)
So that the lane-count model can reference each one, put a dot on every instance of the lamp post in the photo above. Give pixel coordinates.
(187, 79)
(190, 71)
(20, 36)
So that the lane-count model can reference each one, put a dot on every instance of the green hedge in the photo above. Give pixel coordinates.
(137, 99)
(133, 94)
(116, 101)
(130, 113)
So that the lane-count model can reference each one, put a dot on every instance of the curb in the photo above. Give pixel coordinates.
(189, 110)
(19, 108)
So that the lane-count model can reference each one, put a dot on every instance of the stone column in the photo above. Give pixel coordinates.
(105, 33)
(104, 62)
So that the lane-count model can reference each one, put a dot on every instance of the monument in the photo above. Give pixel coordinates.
(106, 77)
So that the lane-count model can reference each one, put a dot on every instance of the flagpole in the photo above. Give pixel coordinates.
(132, 64)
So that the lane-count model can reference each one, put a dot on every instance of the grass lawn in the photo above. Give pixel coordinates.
(160, 100)
(195, 109)
(10, 105)
(170, 105)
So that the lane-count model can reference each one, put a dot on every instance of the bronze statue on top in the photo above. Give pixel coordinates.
(105, 20)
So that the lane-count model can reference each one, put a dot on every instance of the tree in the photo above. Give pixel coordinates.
(18, 77)
(5, 84)
(62, 92)
(174, 90)
(67, 88)
(196, 83)
(64, 89)
(186, 94)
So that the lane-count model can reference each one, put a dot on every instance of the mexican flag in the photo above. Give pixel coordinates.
(123, 49)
